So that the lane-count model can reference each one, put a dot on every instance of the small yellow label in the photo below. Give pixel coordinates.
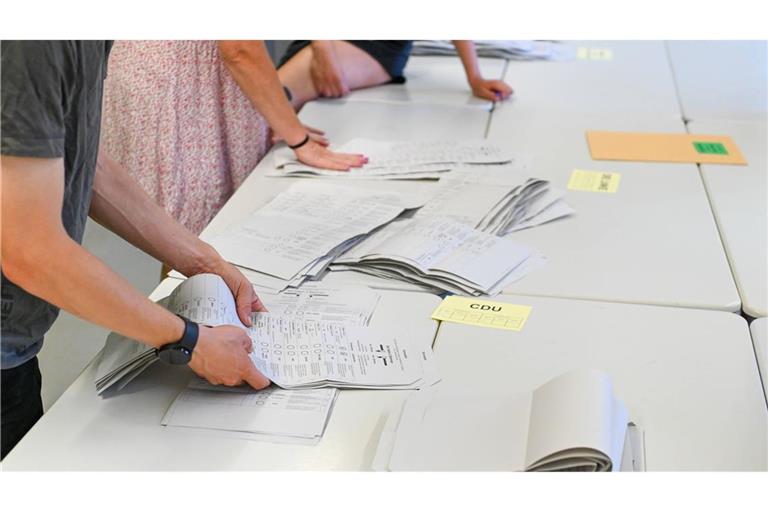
(471, 311)
(594, 181)
(594, 53)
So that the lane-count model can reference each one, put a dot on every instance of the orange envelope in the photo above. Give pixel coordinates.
(664, 147)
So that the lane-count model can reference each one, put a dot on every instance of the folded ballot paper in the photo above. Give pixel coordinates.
(397, 159)
(571, 423)
(330, 349)
(512, 50)
(496, 201)
(441, 254)
(300, 232)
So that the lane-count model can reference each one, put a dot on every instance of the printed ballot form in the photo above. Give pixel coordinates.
(397, 159)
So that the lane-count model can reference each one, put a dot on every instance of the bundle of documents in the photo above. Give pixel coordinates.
(298, 234)
(571, 423)
(397, 160)
(332, 347)
(441, 254)
(497, 201)
(270, 414)
(512, 50)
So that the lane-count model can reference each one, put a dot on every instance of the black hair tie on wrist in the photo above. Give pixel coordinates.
(297, 146)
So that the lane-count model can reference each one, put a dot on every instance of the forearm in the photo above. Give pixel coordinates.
(250, 66)
(120, 205)
(468, 56)
(58, 270)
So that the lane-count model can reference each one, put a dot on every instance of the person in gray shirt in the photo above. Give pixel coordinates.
(53, 177)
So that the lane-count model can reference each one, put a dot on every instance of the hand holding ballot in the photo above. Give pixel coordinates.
(222, 356)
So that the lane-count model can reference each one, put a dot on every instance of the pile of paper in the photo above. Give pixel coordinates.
(496, 201)
(298, 354)
(574, 422)
(512, 50)
(397, 160)
(271, 414)
(441, 254)
(205, 299)
(298, 234)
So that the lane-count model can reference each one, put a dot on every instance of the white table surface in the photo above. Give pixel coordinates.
(688, 377)
(739, 198)
(637, 80)
(721, 79)
(432, 81)
(654, 241)
(85, 432)
(394, 121)
(759, 330)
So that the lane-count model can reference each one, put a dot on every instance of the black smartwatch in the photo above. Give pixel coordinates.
(180, 352)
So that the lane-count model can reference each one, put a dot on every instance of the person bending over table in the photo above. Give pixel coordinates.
(53, 177)
(331, 69)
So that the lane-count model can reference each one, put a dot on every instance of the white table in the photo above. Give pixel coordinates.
(394, 121)
(636, 80)
(654, 241)
(85, 432)
(688, 377)
(432, 81)
(759, 330)
(739, 198)
(721, 79)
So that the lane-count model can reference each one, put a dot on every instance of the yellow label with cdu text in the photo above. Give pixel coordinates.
(483, 313)
(594, 181)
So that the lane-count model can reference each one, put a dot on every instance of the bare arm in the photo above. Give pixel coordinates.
(252, 69)
(493, 90)
(39, 256)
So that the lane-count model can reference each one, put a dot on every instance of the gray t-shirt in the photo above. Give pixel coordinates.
(51, 108)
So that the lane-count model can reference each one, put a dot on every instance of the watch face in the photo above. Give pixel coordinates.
(175, 355)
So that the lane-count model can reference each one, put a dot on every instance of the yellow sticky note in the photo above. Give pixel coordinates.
(594, 53)
(484, 313)
(594, 181)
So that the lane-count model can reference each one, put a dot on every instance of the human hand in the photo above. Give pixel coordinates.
(246, 299)
(494, 90)
(326, 73)
(221, 357)
(316, 155)
(315, 134)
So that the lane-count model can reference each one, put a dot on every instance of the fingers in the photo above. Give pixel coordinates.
(258, 306)
(243, 299)
(502, 88)
(320, 139)
(253, 377)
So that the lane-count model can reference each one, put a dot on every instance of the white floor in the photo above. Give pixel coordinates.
(71, 343)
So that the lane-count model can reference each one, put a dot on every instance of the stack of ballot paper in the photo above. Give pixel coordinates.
(441, 254)
(512, 50)
(332, 347)
(397, 160)
(298, 234)
(497, 201)
(271, 414)
(571, 423)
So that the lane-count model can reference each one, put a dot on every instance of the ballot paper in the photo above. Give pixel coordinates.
(570, 423)
(206, 299)
(443, 254)
(300, 232)
(271, 414)
(494, 204)
(512, 50)
(397, 159)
